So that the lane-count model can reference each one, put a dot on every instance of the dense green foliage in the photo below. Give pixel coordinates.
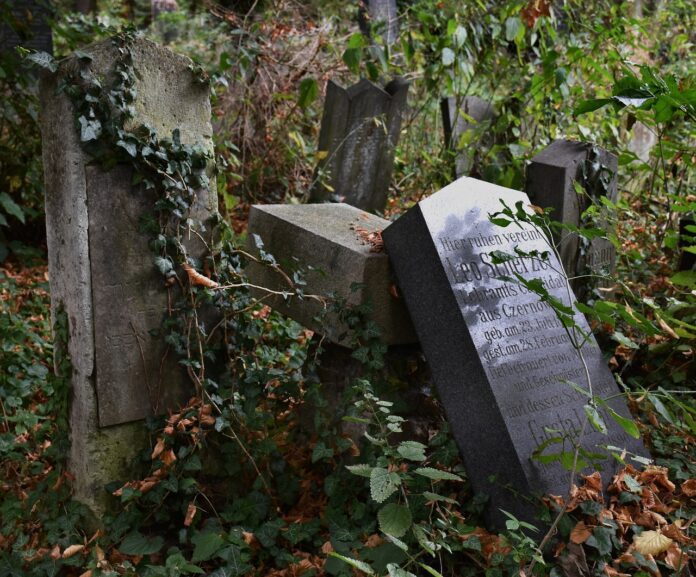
(263, 472)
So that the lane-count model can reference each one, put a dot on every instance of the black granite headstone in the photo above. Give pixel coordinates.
(466, 117)
(359, 131)
(551, 178)
(500, 358)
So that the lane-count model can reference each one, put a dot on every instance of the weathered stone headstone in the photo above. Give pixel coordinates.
(29, 26)
(551, 178)
(336, 246)
(359, 130)
(381, 17)
(463, 120)
(499, 356)
(102, 270)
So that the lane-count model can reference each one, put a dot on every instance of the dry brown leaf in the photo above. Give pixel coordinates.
(168, 457)
(55, 552)
(159, 447)
(327, 548)
(72, 550)
(609, 571)
(197, 279)
(87, 573)
(373, 541)
(580, 533)
(676, 558)
(665, 327)
(190, 514)
(651, 543)
(689, 488)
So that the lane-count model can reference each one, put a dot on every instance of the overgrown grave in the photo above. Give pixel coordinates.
(359, 132)
(570, 178)
(347, 297)
(518, 381)
(100, 232)
(464, 119)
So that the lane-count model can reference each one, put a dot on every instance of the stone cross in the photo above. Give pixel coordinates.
(465, 121)
(102, 270)
(551, 178)
(359, 132)
(500, 358)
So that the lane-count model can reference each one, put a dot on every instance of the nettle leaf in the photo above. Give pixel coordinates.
(138, 544)
(395, 519)
(359, 565)
(395, 571)
(361, 470)
(412, 450)
(206, 546)
(437, 475)
(383, 484)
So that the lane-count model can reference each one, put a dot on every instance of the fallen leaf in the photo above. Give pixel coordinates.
(676, 558)
(72, 550)
(190, 514)
(159, 447)
(651, 543)
(55, 552)
(689, 488)
(580, 533)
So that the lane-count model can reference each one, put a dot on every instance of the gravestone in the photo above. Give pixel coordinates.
(102, 269)
(551, 178)
(642, 141)
(380, 17)
(335, 246)
(687, 238)
(498, 355)
(28, 26)
(359, 131)
(465, 121)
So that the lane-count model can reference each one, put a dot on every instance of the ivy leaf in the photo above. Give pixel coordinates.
(590, 105)
(206, 546)
(352, 57)
(138, 544)
(44, 60)
(383, 484)
(437, 475)
(11, 207)
(129, 147)
(394, 519)
(412, 450)
(89, 129)
(601, 540)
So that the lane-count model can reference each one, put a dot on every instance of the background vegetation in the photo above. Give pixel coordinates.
(273, 484)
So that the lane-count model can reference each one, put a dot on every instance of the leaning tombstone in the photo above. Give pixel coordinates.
(552, 176)
(500, 358)
(379, 17)
(102, 271)
(359, 132)
(465, 121)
